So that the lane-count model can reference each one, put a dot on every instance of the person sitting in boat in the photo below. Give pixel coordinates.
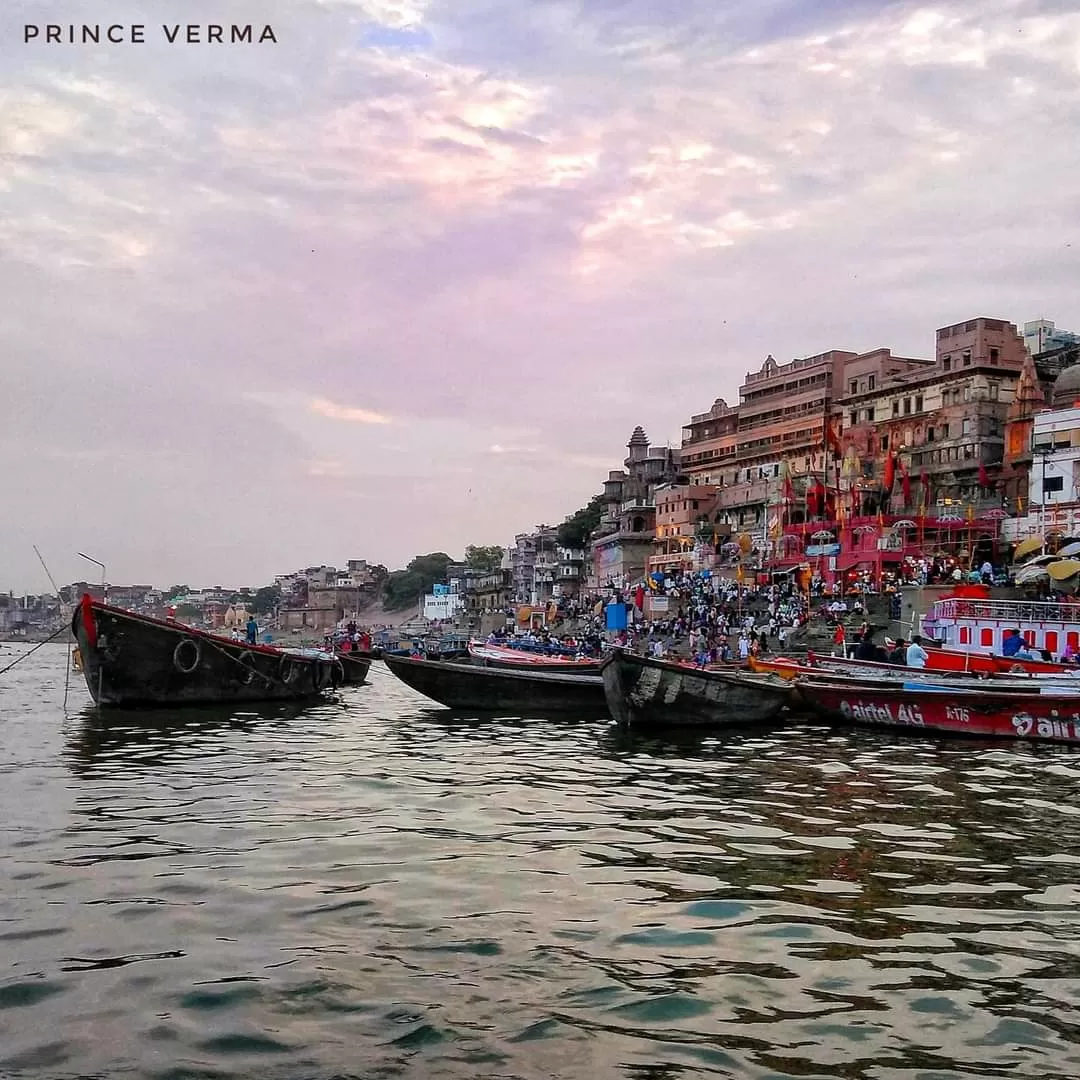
(897, 651)
(867, 649)
(1024, 653)
(1012, 644)
(917, 656)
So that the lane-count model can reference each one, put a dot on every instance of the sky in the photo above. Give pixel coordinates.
(407, 278)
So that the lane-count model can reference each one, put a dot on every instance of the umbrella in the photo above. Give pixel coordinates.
(822, 534)
(866, 529)
(1026, 547)
(1070, 550)
(905, 523)
(1028, 575)
(1063, 570)
(997, 514)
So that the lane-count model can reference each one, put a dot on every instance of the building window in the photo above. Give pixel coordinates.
(868, 416)
(965, 427)
(871, 381)
(896, 408)
(930, 434)
(946, 363)
(853, 386)
(944, 431)
(854, 417)
(995, 390)
(993, 356)
(1051, 484)
(907, 406)
(919, 403)
(967, 359)
(884, 442)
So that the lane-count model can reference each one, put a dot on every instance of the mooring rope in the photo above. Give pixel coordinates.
(19, 659)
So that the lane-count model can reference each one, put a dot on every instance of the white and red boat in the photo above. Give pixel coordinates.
(505, 656)
(943, 708)
(938, 662)
(970, 622)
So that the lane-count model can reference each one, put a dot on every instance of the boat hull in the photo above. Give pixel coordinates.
(643, 692)
(133, 661)
(354, 667)
(959, 712)
(468, 686)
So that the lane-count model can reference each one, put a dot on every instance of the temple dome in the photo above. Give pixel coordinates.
(1066, 392)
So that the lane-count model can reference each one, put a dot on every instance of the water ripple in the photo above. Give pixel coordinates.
(375, 887)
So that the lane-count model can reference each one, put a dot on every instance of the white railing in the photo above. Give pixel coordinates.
(1009, 611)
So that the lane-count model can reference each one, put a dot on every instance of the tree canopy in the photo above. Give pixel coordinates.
(266, 599)
(483, 558)
(574, 532)
(405, 587)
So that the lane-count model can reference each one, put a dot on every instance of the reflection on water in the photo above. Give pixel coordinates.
(376, 887)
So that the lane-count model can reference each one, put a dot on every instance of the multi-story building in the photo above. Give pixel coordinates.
(533, 565)
(1043, 336)
(569, 572)
(686, 530)
(622, 543)
(778, 427)
(487, 591)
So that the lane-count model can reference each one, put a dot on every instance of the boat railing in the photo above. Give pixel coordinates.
(1010, 611)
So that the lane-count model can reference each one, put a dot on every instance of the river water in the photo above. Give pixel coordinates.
(375, 888)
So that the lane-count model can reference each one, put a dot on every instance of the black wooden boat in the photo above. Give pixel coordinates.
(355, 666)
(516, 693)
(643, 692)
(134, 661)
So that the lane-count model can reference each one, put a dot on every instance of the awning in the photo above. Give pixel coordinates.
(1026, 547)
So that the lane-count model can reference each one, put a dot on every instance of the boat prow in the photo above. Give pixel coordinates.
(645, 692)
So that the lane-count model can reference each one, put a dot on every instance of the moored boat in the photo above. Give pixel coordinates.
(502, 690)
(942, 708)
(135, 661)
(497, 656)
(355, 666)
(645, 692)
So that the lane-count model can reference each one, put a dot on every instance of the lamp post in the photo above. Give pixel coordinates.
(1044, 453)
(96, 562)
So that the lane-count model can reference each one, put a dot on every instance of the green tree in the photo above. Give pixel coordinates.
(483, 558)
(403, 588)
(267, 599)
(574, 532)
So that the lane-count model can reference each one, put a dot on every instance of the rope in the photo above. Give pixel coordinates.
(19, 659)
(247, 667)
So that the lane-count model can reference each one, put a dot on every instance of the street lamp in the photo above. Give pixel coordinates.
(90, 558)
(1044, 452)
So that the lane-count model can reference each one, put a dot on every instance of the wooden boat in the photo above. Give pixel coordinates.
(642, 691)
(518, 693)
(942, 708)
(859, 671)
(497, 656)
(355, 666)
(134, 661)
(947, 661)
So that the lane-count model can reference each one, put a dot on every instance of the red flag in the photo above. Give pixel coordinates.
(832, 435)
(924, 480)
(890, 473)
(984, 479)
(905, 483)
(639, 598)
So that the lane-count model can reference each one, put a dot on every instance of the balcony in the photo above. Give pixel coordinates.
(636, 504)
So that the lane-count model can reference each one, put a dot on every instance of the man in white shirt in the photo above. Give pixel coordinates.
(916, 654)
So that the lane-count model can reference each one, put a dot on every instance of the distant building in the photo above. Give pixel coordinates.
(1042, 335)
(443, 603)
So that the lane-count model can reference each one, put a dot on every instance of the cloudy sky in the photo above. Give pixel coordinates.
(408, 278)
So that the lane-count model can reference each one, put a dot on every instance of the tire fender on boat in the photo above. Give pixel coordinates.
(287, 669)
(189, 647)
